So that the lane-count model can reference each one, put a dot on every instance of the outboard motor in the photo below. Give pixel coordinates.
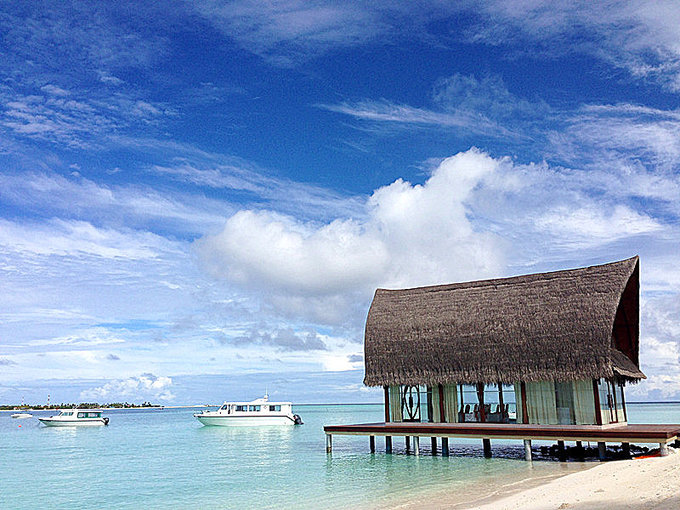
(297, 419)
(106, 421)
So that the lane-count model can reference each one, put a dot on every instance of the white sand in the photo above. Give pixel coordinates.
(628, 484)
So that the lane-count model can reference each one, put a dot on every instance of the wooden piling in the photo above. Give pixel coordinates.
(487, 448)
(625, 448)
(445, 446)
(602, 450)
(527, 449)
(561, 451)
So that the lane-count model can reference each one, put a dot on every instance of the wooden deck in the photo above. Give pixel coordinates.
(661, 434)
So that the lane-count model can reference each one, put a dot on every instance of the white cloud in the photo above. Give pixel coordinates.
(412, 235)
(267, 249)
(144, 387)
(474, 217)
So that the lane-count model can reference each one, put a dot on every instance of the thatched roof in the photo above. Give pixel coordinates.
(563, 325)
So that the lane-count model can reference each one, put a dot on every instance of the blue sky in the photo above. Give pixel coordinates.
(197, 200)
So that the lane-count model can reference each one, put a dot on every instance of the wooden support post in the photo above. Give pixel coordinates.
(527, 449)
(416, 445)
(371, 443)
(602, 450)
(407, 440)
(623, 402)
(580, 452)
(561, 451)
(500, 401)
(442, 413)
(388, 439)
(523, 395)
(625, 448)
(433, 441)
(445, 446)
(663, 449)
(487, 448)
(596, 397)
(387, 403)
(480, 399)
(329, 443)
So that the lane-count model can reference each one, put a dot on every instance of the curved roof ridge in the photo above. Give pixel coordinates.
(509, 280)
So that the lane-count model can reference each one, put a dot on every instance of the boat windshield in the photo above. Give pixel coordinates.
(224, 407)
(66, 413)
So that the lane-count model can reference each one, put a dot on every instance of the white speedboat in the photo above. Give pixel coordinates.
(21, 416)
(258, 412)
(75, 418)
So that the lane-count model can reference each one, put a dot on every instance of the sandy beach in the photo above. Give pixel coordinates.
(631, 484)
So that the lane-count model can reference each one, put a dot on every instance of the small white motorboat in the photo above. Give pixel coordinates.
(258, 412)
(21, 416)
(75, 418)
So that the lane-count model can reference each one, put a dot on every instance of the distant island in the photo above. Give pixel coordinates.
(82, 405)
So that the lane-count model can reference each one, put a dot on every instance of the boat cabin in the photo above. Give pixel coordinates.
(552, 348)
(260, 406)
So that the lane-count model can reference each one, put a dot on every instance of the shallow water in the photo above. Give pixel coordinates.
(165, 458)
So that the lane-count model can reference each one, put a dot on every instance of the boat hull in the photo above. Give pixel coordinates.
(82, 422)
(244, 421)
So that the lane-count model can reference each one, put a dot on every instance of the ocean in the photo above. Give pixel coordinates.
(167, 459)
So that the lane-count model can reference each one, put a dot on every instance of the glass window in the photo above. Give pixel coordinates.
(606, 401)
(274, 408)
(619, 396)
(564, 399)
(81, 415)
(241, 409)
(469, 408)
(254, 408)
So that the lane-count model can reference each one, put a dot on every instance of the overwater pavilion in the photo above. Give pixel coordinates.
(537, 357)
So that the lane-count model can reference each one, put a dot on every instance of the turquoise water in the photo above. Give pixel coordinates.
(165, 458)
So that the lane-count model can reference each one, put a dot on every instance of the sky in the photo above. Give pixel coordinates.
(198, 199)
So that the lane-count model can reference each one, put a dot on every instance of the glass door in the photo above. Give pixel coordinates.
(410, 403)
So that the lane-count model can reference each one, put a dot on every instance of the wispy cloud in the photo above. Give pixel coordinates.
(74, 119)
(87, 35)
(385, 111)
(130, 205)
(288, 32)
(639, 36)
